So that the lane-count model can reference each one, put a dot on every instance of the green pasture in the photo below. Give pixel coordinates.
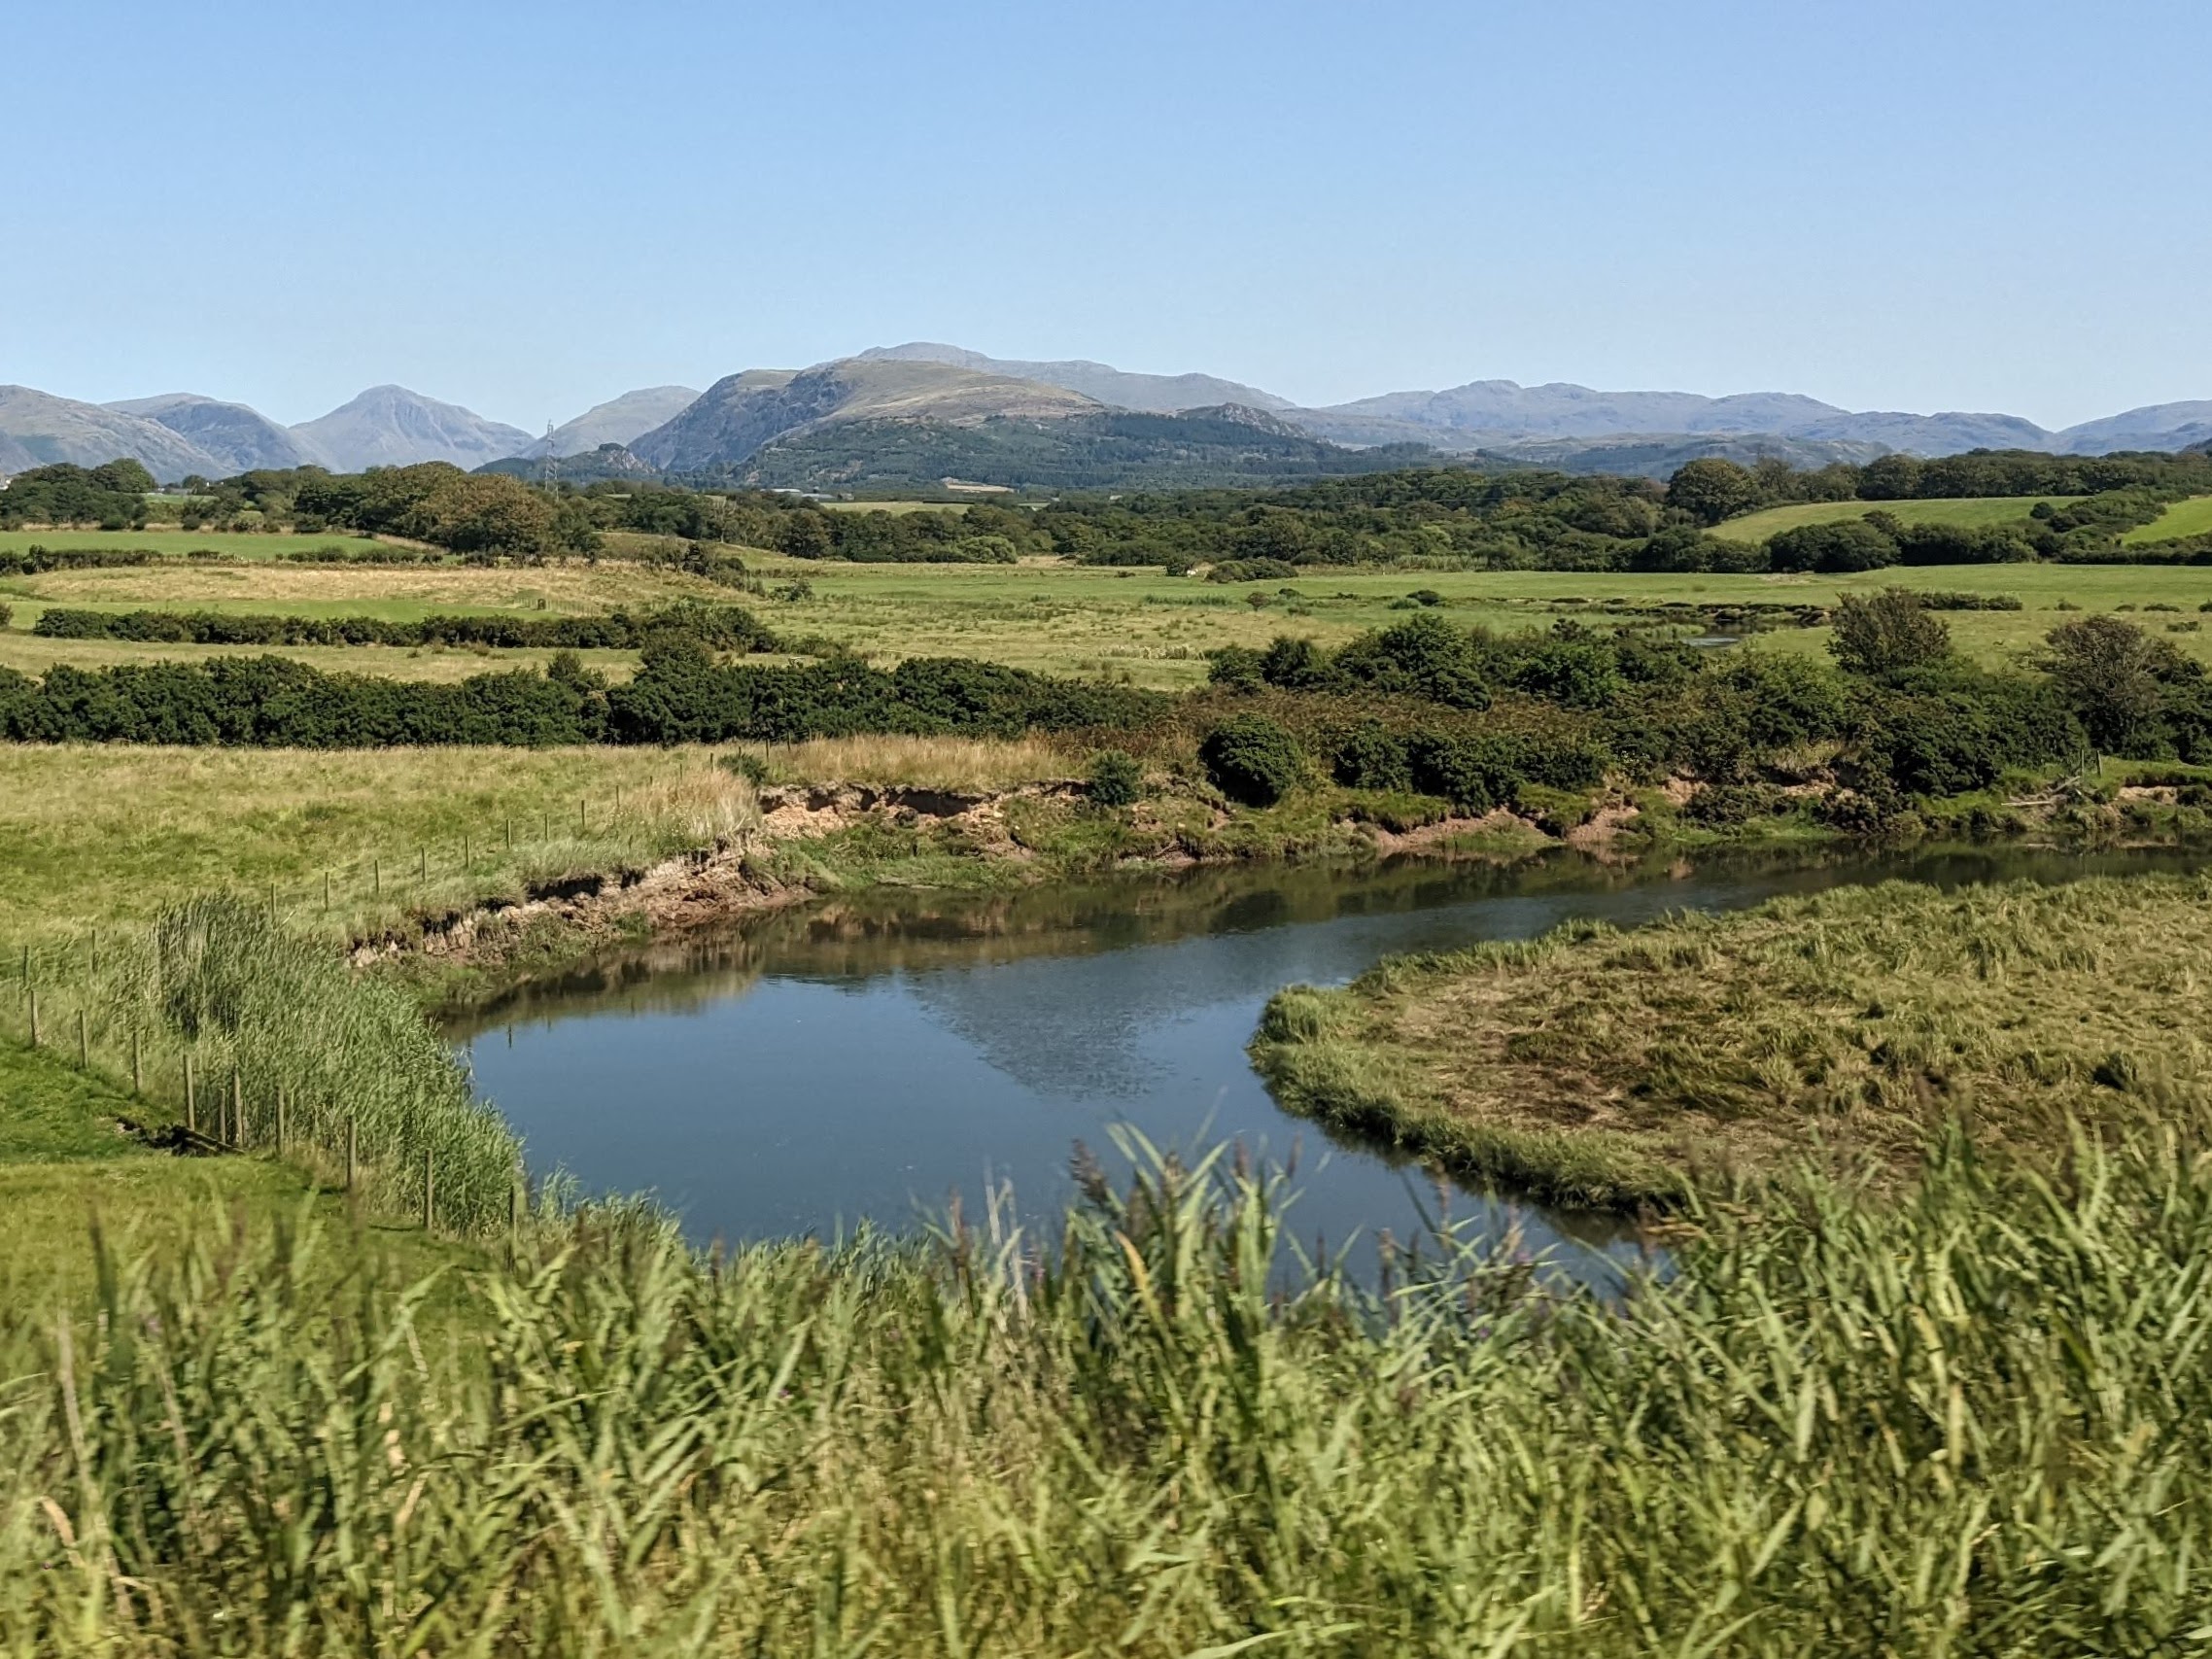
(2192, 517)
(1971, 512)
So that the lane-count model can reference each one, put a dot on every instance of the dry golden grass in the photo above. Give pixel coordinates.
(573, 587)
(928, 763)
(103, 835)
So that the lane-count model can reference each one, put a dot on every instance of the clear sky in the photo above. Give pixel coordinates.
(527, 209)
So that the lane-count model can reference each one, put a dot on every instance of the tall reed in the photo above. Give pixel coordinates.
(1973, 1420)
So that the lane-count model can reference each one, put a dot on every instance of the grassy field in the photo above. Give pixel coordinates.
(1969, 511)
(2192, 517)
(163, 538)
(1620, 1068)
(1145, 627)
(109, 836)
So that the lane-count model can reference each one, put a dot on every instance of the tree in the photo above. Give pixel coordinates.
(2113, 675)
(1838, 548)
(1887, 634)
(1711, 489)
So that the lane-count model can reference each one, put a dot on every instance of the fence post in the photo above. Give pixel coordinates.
(137, 1061)
(580, 827)
(238, 1107)
(510, 834)
(422, 864)
(191, 1099)
(353, 1150)
(325, 890)
(34, 1018)
(429, 1187)
(272, 902)
(84, 1043)
(376, 876)
(280, 1123)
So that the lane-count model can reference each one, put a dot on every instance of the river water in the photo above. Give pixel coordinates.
(864, 1059)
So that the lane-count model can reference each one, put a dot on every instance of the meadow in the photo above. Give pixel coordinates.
(2192, 517)
(1968, 512)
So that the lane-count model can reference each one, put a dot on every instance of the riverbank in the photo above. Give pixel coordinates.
(1630, 1069)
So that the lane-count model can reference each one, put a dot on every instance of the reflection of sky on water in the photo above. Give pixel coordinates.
(811, 1073)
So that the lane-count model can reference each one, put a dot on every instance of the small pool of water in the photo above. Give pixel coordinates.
(865, 1059)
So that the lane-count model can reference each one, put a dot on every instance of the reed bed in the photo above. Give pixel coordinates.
(266, 1041)
(964, 764)
(1974, 1421)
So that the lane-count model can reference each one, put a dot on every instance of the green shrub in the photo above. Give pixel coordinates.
(1252, 759)
(1115, 778)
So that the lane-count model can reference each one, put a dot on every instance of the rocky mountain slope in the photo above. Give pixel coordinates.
(239, 439)
(1156, 394)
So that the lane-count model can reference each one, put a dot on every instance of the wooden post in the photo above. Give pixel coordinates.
(353, 1150)
(191, 1099)
(376, 876)
(430, 1188)
(325, 890)
(272, 902)
(280, 1122)
(137, 1061)
(84, 1043)
(466, 858)
(510, 834)
(238, 1107)
(34, 1018)
(581, 829)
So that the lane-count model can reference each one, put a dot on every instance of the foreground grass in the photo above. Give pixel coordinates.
(1973, 1421)
(1613, 1068)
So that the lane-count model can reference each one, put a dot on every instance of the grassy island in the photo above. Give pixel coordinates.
(1617, 1068)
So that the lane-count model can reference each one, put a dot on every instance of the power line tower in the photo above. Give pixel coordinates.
(550, 473)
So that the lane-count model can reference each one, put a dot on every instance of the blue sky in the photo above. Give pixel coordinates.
(529, 209)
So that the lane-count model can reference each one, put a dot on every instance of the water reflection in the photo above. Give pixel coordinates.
(864, 1058)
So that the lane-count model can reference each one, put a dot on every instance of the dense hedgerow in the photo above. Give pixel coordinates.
(721, 627)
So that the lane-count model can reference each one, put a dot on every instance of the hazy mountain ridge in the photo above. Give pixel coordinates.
(47, 429)
(672, 429)
(619, 420)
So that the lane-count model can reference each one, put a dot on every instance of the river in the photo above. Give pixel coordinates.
(864, 1058)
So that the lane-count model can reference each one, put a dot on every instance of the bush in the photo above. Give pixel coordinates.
(1475, 774)
(1252, 570)
(1252, 759)
(1839, 548)
(1372, 756)
(1116, 779)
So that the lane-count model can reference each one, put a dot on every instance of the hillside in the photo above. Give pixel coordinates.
(618, 421)
(1120, 389)
(1657, 454)
(608, 460)
(39, 429)
(2156, 425)
(741, 412)
(239, 439)
(1095, 449)
(389, 426)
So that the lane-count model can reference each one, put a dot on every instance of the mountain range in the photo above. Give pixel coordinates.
(892, 414)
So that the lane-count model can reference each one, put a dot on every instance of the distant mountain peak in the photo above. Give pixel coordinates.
(390, 425)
